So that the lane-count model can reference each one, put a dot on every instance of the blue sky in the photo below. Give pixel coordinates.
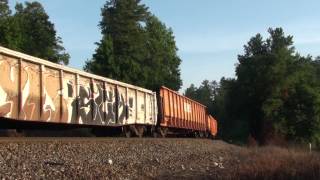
(209, 33)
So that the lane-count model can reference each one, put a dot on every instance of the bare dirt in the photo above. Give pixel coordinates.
(146, 158)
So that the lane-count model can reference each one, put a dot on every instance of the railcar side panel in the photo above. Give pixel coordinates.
(98, 102)
(140, 108)
(51, 92)
(148, 102)
(30, 90)
(131, 106)
(122, 105)
(182, 112)
(85, 100)
(110, 104)
(69, 93)
(9, 87)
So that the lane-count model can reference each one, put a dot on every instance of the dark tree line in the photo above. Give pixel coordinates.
(274, 97)
(136, 47)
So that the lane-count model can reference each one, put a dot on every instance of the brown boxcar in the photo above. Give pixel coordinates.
(180, 112)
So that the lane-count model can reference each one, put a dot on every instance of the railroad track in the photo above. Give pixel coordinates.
(92, 139)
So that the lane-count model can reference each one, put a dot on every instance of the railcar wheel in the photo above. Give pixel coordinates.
(127, 131)
(155, 134)
(201, 135)
(196, 134)
(139, 131)
(206, 134)
(12, 133)
(163, 131)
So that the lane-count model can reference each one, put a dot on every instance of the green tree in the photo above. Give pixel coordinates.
(162, 61)
(228, 109)
(121, 27)
(4, 9)
(262, 78)
(103, 61)
(191, 92)
(4, 21)
(136, 47)
(29, 30)
(279, 90)
(301, 105)
(38, 34)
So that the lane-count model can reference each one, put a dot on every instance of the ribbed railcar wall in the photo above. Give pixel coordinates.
(181, 112)
(33, 89)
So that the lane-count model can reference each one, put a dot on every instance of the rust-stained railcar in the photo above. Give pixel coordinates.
(181, 113)
(32, 89)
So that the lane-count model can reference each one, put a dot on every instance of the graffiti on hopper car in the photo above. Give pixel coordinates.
(34, 92)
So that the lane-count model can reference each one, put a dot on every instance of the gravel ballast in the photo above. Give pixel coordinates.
(111, 158)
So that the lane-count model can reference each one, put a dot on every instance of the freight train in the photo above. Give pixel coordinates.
(37, 93)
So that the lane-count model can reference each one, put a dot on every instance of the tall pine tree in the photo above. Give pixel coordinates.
(135, 48)
(120, 54)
